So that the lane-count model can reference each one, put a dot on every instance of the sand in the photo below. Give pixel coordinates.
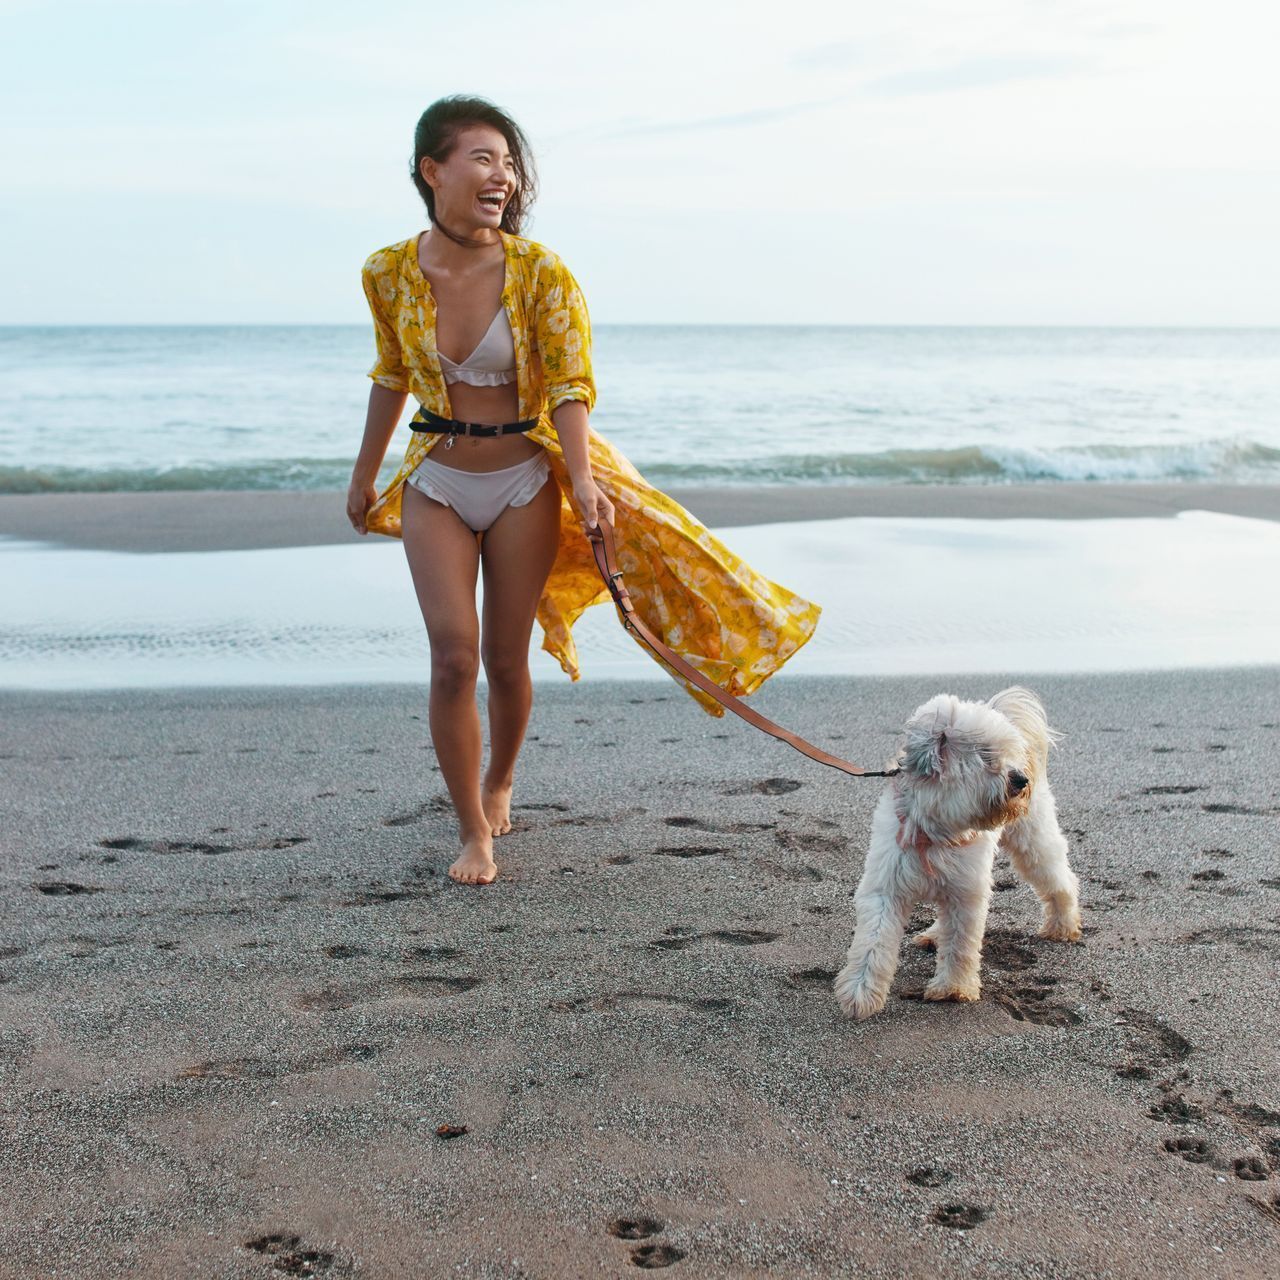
(232, 520)
(238, 996)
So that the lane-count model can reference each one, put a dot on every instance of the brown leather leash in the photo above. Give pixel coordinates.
(602, 548)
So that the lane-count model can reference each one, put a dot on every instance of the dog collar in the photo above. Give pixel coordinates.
(920, 842)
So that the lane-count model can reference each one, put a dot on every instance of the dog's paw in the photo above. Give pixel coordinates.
(963, 992)
(1064, 928)
(857, 999)
(927, 938)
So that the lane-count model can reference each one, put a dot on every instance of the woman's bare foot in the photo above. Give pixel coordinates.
(496, 799)
(475, 865)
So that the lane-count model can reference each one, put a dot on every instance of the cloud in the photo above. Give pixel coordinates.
(977, 73)
(738, 120)
(835, 56)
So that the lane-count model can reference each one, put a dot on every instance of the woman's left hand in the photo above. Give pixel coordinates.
(592, 503)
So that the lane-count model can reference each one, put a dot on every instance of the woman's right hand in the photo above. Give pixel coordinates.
(360, 497)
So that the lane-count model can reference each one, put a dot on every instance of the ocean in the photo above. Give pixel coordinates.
(282, 407)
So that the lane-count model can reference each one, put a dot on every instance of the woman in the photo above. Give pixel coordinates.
(515, 505)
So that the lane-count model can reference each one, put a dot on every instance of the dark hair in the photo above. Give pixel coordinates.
(437, 136)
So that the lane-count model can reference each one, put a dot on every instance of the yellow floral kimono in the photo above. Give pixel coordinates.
(705, 603)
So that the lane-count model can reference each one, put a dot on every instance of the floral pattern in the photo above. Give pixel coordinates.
(704, 602)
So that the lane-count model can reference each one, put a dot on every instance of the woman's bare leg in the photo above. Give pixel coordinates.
(443, 560)
(516, 554)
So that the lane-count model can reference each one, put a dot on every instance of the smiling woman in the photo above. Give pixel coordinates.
(521, 474)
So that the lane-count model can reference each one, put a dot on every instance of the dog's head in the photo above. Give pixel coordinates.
(969, 766)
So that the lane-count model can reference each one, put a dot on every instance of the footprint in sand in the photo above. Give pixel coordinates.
(1006, 950)
(138, 844)
(229, 1069)
(675, 943)
(325, 1000)
(817, 979)
(929, 1177)
(742, 937)
(375, 897)
(1158, 1045)
(627, 999)
(688, 851)
(634, 1228)
(290, 1257)
(808, 841)
(729, 937)
(796, 875)
(650, 1257)
(732, 828)
(1174, 1109)
(1192, 1150)
(329, 999)
(1257, 938)
(763, 787)
(433, 952)
(1238, 809)
(1028, 1004)
(261, 1069)
(1268, 1209)
(959, 1217)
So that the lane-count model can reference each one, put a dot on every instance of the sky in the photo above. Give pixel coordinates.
(1015, 162)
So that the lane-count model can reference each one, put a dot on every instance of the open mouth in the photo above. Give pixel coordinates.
(491, 201)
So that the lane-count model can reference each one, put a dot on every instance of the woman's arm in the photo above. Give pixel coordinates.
(385, 409)
(570, 419)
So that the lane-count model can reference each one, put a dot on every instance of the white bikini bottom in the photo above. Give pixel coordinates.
(480, 497)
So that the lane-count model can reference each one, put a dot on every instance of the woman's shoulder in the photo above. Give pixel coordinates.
(543, 268)
(389, 258)
(537, 256)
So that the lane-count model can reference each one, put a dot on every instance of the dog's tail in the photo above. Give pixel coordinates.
(1025, 712)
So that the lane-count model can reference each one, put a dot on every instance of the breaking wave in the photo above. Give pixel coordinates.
(1223, 461)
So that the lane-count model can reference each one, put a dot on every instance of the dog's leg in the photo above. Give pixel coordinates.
(1039, 853)
(927, 937)
(862, 986)
(962, 918)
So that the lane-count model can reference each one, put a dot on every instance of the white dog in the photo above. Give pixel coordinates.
(972, 777)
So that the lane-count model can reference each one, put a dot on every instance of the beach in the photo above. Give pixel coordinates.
(247, 519)
(240, 997)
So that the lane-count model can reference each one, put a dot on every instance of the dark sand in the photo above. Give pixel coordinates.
(233, 520)
(238, 995)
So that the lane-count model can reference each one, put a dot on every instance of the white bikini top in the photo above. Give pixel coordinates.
(492, 363)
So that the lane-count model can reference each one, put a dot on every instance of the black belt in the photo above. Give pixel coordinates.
(433, 422)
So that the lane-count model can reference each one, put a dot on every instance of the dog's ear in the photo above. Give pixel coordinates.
(925, 753)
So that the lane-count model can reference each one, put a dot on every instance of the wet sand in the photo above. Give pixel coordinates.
(239, 996)
(232, 520)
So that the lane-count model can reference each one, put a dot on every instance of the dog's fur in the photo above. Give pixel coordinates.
(972, 777)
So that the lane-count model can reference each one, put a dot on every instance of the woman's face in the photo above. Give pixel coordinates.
(479, 166)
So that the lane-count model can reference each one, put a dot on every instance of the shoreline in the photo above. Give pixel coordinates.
(247, 519)
(230, 955)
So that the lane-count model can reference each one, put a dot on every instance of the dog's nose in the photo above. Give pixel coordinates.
(1017, 782)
